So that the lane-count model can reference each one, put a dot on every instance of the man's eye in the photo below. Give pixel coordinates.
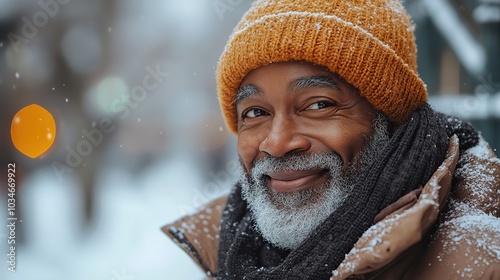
(319, 105)
(253, 113)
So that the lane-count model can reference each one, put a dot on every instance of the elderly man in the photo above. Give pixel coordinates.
(346, 171)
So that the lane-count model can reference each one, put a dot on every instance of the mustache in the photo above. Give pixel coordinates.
(329, 161)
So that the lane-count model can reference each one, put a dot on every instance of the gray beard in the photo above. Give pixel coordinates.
(286, 219)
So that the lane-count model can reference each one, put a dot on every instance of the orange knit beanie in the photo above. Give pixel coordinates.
(370, 43)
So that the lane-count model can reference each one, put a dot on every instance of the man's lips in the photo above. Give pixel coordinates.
(291, 181)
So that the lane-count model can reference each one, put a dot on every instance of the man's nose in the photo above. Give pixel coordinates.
(284, 137)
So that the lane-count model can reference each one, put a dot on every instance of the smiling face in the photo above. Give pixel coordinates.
(303, 135)
(300, 108)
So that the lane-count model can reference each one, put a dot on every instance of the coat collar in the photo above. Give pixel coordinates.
(404, 227)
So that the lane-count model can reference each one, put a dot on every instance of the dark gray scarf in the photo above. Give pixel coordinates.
(415, 151)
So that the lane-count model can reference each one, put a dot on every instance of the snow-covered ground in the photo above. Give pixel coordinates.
(124, 241)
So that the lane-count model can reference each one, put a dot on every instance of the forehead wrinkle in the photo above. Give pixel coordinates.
(314, 81)
(246, 92)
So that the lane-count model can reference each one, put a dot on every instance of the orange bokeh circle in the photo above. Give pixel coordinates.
(33, 130)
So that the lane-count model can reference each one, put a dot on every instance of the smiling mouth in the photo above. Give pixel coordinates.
(292, 181)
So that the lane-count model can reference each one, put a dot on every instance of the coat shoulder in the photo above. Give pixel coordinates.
(198, 234)
(467, 244)
(477, 180)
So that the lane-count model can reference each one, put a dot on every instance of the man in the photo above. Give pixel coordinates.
(346, 172)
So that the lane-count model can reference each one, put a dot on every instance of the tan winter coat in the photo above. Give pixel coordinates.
(465, 246)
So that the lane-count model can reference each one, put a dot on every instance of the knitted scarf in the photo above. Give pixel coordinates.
(414, 152)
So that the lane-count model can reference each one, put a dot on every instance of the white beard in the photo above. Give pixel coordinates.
(287, 219)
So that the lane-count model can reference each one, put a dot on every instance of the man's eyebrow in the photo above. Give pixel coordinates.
(249, 90)
(315, 81)
(245, 92)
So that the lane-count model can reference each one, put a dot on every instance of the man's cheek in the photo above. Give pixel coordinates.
(247, 153)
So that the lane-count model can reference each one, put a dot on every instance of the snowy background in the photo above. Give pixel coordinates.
(169, 153)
